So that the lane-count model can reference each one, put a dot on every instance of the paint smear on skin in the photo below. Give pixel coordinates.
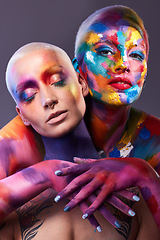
(113, 97)
(33, 176)
(150, 199)
(94, 64)
(134, 38)
(130, 132)
(92, 38)
(154, 160)
(98, 27)
(108, 63)
(132, 93)
(125, 151)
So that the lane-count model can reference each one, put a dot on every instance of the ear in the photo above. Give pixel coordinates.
(25, 121)
(75, 64)
(84, 84)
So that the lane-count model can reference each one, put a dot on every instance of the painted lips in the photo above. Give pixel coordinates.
(120, 83)
(57, 117)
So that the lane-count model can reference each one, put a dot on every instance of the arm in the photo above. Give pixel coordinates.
(22, 186)
(112, 175)
(20, 147)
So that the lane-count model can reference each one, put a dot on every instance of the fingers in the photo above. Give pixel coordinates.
(83, 194)
(105, 212)
(117, 203)
(84, 160)
(78, 169)
(93, 221)
(128, 194)
(103, 194)
(73, 186)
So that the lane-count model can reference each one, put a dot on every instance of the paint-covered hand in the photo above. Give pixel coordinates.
(108, 176)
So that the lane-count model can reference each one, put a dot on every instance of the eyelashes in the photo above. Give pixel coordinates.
(29, 94)
(105, 51)
(137, 55)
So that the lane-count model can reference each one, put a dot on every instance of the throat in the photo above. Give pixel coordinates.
(106, 125)
(77, 143)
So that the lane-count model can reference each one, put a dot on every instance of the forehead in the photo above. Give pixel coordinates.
(36, 61)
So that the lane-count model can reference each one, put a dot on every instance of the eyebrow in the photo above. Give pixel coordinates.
(111, 43)
(50, 71)
(27, 84)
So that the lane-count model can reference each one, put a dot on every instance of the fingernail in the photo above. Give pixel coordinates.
(136, 198)
(99, 229)
(117, 224)
(66, 209)
(85, 216)
(131, 213)
(56, 199)
(58, 172)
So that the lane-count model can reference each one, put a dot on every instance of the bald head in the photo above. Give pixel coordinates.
(30, 50)
(104, 18)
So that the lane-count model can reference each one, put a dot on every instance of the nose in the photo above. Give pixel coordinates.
(48, 98)
(122, 68)
(122, 64)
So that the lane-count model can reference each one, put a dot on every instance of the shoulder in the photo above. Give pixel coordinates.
(143, 119)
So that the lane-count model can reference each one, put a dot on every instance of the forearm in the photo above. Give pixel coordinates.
(21, 187)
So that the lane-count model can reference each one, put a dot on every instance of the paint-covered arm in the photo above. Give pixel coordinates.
(20, 147)
(26, 184)
(112, 175)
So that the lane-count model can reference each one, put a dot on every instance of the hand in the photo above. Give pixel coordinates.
(109, 175)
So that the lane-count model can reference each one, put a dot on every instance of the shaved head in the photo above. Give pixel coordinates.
(24, 51)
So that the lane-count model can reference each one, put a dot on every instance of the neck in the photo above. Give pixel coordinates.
(75, 144)
(105, 123)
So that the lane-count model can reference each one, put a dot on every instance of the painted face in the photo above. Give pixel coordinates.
(114, 63)
(48, 94)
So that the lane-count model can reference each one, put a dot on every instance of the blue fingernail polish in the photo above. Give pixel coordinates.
(58, 172)
(117, 224)
(66, 209)
(57, 198)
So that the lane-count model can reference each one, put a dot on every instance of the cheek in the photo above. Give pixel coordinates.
(139, 72)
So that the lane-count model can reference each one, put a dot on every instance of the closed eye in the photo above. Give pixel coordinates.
(27, 95)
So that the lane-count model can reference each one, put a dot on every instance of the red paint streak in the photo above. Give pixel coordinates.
(153, 205)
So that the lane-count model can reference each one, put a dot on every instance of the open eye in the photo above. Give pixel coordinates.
(104, 51)
(137, 55)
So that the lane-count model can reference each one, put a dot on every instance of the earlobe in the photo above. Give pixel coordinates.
(84, 85)
(25, 121)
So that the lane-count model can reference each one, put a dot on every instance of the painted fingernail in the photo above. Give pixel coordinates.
(131, 213)
(136, 198)
(99, 229)
(58, 172)
(66, 209)
(117, 224)
(85, 216)
(56, 199)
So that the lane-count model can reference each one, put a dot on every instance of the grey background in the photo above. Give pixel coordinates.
(57, 21)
